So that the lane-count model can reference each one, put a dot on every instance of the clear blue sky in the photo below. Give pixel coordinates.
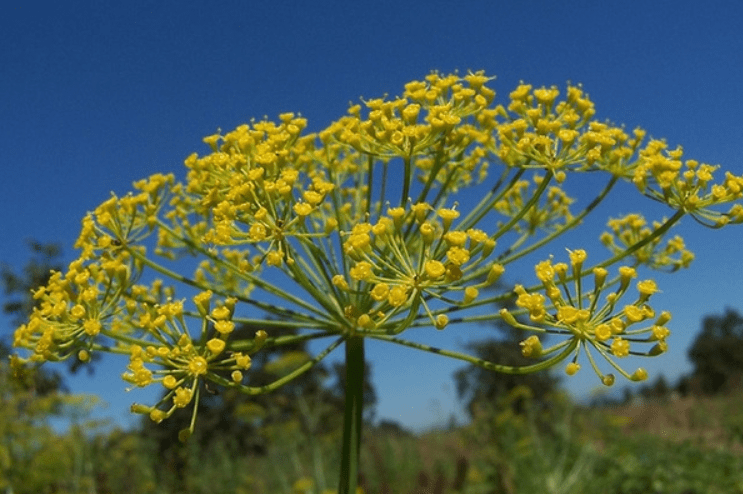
(95, 95)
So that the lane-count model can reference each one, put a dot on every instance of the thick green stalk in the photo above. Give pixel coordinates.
(352, 416)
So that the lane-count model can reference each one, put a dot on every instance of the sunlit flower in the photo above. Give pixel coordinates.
(405, 213)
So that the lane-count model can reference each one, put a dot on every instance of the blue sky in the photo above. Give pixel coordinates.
(96, 95)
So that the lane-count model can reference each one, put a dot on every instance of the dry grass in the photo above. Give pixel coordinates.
(711, 422)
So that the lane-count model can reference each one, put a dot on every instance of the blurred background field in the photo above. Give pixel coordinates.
(656, 445)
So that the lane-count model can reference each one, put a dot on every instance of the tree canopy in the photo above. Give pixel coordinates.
(717, 353)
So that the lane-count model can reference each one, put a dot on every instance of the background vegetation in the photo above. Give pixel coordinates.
(525, 435)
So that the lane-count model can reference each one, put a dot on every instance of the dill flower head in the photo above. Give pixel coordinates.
(594, 322)
(405, 213)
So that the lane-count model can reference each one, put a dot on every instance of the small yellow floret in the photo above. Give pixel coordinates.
(274, 258)
(170, 382)
(243, 361)
(647, 288)
(77, 312)
(577, 258)
(361, 271)
(531, 347)
(639, 375)
(620, 347)
(456, 238)
(572, 368)
(545, 271)
(448, 216)
(182, 397)
(302, 209)
(458, 255)
(599, 276)
(224, 327)
(435, 269)
(603, 332)
(380, 291)
(441, 321)
(496, 271)
(339, 281)
(470, 294)
(92, 327)
(198, 366)
(221, 313)
(398, 296)
(157, 415)
(215, 346)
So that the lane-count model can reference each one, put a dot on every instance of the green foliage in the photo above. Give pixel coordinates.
(647, 465)
(536, 450)
(34, 459)
(559, 449)
(717, 353)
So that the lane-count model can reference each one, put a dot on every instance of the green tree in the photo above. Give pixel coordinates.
(480, 388)
(717, 353)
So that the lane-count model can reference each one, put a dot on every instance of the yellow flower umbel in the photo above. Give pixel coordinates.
(632, 230)
(589, 320)
(403, 214)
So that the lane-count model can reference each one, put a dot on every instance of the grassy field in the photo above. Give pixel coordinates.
(685, 446)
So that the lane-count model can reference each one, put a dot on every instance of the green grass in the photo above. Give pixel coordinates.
(691, 445)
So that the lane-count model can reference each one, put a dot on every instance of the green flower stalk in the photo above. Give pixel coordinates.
(402, 214)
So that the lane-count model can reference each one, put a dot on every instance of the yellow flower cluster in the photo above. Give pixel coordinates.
(182, 364)
(443, 123)
(539, 131)
(586, 321)
(409, 257)
(386, 220)
(633, 229)
(687, 185)
(553, 214)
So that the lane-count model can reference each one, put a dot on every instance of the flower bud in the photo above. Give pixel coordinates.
(572, 368)
(599, 277)
(260, 339)
(508, 317)
(441, 321)
(639, 375)
(496, 270)
(663, 319)
(139, 408)
(470, 294)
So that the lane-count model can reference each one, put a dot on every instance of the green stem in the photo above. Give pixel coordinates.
(259, 390)
(405, 182)
(485, 364)
(568, 226)
(352, 415)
